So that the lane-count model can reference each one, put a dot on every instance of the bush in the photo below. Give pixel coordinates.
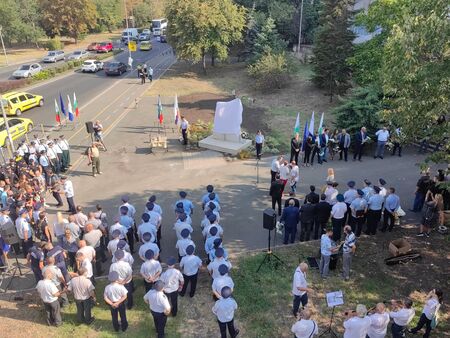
(6, 86)
(70, 64)
(270, 71)
(52, 71)
(199, 130)
(54, 44)
(43, 75)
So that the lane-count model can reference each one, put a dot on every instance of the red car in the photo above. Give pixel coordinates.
(104, 47)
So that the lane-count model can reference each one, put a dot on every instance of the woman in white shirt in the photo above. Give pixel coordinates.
(432, 305)
(59, 227)
(293, 178)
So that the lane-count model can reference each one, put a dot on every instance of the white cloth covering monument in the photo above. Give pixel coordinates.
(226, 135)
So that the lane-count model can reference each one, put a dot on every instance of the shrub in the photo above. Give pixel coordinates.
(199, 130)
(70, 64)
(54, 44)
(6, 86)
(52, 71)
(43, 75)
(270, 71)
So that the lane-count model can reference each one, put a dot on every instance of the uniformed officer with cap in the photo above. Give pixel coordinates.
(173, 282)
(349, 196)
(189, 265)
(147, 238)
(115, 295)
(383, 191)
(220, 282)
(209, 242)
(375, 205)
(180, 226)
(159, 307)
(157, 208)
(183, 243)
(213, 267)
(368, 190)
(358, 213)
(128, 223)
(187, 204)
(146, 226)
(212, 218)
(217, 244)
(125, 275)
(205, 198)
(224, 310)
(150, 270)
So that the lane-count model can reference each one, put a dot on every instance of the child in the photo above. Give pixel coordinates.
(115, 295)
(330, 173)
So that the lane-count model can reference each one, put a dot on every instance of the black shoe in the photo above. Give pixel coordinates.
(381, 157)
(360, 160)
(375, 157)
(324, 160)
(89, 322)
(399, 155)
(124, 328)
(237, 332)
(191, 295)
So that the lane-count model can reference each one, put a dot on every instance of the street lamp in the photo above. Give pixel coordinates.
(130, 60)
(3, 45)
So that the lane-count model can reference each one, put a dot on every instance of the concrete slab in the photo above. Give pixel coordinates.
(224, 146)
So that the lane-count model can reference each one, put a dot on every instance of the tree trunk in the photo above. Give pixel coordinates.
(213, 58)
(204, 61)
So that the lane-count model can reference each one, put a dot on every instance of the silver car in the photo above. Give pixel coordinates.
(54, 56)
(27, 70)
(78, 55)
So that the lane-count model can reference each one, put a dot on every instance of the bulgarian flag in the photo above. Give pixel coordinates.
(176, 110)
(297, 125)
(160, 110)
(58, 116)
(321, 124)
(75, 105)
(69, 108)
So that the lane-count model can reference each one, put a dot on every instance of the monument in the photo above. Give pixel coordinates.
(226, 135)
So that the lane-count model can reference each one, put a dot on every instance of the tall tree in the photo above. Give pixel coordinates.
(267, 41)
(333, 46)
(109, 14)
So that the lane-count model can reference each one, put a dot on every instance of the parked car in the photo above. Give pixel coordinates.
(17, 128)
(145, 45)
(92, 47)
(163, 39)
(78, 55)
(15, 103)
(54, 56)
(115, 68)
(27, 70)
(91, 66)
(104, 47)
(129, 34)
(144, 37)
(147, 31)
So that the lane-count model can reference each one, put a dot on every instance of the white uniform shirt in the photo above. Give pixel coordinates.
(57, 274)
(148, 246)
(403, 316)
(22, 225)
(150, 268)
(430, 308)
(305, 328)
(331, 194)
(157, 301)
(47, 289)
(63, 144)
(220, 282)
(112, 246)
(88, 252)
(180, 226)
(378, 325)
(224, 309)
(128, 258)
(120, 227)
(114, 292)
(213, 267)
(68, 188)
(184, 124)
(172, 279)
(190, 264)
(182, 244)
(88, 266)
(206, 233)
(275, 167)
(356, 327)
(147, 227)
(131, 209)
(123, 269)
(155, 218)
(299, 281)
(338, 210)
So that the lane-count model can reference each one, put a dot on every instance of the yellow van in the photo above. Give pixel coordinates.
(15, 103)
(17, 127)
(145, 45)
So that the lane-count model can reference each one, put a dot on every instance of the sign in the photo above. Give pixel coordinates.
(132, 46)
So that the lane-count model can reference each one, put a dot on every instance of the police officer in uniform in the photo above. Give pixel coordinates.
(375, 205)
(159, 307)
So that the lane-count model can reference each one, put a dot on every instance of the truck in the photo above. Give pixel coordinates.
(130, 34)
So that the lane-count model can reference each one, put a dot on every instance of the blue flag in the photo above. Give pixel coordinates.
(61, 103)
(305, 136)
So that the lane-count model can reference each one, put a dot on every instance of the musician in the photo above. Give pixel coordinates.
(305, 327)
(402, 314)
(360, 139)
(379, 321)
(357, 323)
(349, 249)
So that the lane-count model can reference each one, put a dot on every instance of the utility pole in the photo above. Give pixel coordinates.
(7, 127)
(130, 60)
(3, 45)
(300, 29)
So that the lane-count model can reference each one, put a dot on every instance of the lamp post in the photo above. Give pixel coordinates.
(300, 29)
(130, 60)
(3, 45)
(7, 125)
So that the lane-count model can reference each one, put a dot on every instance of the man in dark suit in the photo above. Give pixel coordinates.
(296, 145)
(296, 202)
(323, 211)
(276, 191)
(307, 217)
(290, 218)
(360, 139)
(312, 196)
(344, 144)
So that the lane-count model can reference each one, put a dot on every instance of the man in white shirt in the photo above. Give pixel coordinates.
(125, 275)
(184, 126)
(148, 244)
(115, 295)
(338, 213)
(159, 306)
(382, 138)
(118, 226)
(348, 249)
(189, 265)
(275, 167)
(213, 267)
(87, 251)
(147, 226)
(68, 191)
(402, 314)
(331, 193)
(357, 323)
(300, 287)
(430, 311)
(24, 231)
(224, 310)
(305, 327)
(65, 157)
(173, 282)
(378, 322)
(49, 294)
(84, 294)
(150, 270)
(220, 282)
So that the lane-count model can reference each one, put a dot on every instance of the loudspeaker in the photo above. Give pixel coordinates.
(9, 234)
(90, 127)
(269, 219)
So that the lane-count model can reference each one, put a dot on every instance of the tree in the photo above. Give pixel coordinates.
(109, 14)
(416, 74)
(270, 71)
(143, 14)
(198, 27)
(333, 46)
(267, 41)
(68, 17)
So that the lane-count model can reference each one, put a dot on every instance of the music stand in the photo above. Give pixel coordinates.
(334, 299)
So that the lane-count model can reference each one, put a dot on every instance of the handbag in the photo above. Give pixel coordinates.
(435, 319)
(400, 212)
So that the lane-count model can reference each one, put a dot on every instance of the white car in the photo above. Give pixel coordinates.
(91, 66)
(27, 70)
(146, 31)
(54, 55)
(79, 54)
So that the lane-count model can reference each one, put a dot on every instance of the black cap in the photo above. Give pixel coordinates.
(171, 261)
(223, 269)
(226, 292)
(119, 254)
(209, 188)
(185, 233)
(116, 233)
(376, 189)
(145, 217)
(147, 237)
(113, 276)
(183, 194)
(190, 249)
(149, 254)
(123, 209)
(212, 196)
(152, 198)
(351, 184)
(159, 285)
(360, 192)
(382, 181)
(219, 252)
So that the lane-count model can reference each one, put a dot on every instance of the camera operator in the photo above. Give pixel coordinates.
(305, 327)
(357, 323)
(430, 310)
(378, 322)
(402, 313)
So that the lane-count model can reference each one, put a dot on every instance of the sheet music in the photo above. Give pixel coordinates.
(335, 298)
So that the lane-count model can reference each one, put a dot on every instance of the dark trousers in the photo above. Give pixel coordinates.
(296, 303)
(399, 147)
(319, 227)
(344, 151)
(184, 134)
(173, 299)
(307, 155)
(84, 310)
(26, 245)
(373, 218)
(289, 232)
(273, 175)
(294, 156)
(72, 260)
(130, 288)
(358, 151)
(398, 331)
(148, 286)
(315, 152)
(99, 254)
(37, 274)
(359, 223)
(53, 311)
(388, 220)
(305, 231)
(122, 310)
(275, 200)
(130, 238)
(423, 321)
(419, 200)
(258, 147)
(71, 204)
(223, 329)
(65, 160)
(58, 198)
(338, 224)
(189, 279)
(160, 320)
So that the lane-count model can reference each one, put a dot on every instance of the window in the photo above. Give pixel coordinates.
(29, 96)
(14, 100)
(2, 127)
(14, 122)
(22, 98)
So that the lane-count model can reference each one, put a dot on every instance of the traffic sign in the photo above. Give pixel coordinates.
(132, 46)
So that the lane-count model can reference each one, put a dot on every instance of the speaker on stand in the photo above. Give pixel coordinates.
(90, 129)
(269, 223)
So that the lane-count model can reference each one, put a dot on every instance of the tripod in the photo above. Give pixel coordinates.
(257, 170)
(329, 329)
(11, 271)
(269, 255)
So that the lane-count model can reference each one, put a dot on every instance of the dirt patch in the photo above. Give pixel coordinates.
(200, 106)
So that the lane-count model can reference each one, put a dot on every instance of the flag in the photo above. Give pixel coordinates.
(58, 116)
(321, 124)
(61, 102)
(176, 110)
(75, 105)
(69, 108)
(297, 124)
(311, 125)
(160, 110)
(305, 135)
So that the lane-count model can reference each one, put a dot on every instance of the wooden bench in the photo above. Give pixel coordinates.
(158, 142)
